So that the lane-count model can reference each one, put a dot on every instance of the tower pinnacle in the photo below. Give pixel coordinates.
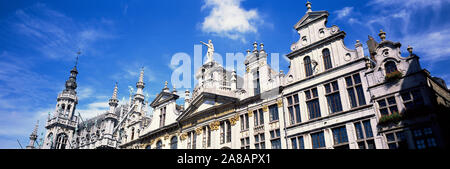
(33, 136)
(308, 7)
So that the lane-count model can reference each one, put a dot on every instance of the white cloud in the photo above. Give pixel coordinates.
(228, 19)
(344, 12)
(54, 34)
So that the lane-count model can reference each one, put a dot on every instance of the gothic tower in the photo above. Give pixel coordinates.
(61, 125)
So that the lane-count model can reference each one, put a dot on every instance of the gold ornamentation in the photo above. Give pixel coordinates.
(265, 108)
(234, 119)
(250, 113)
(166, 136)
(280, 103)
(183, 136)
(152, 141)
(214, 125)
(248, 69)
(198, 130)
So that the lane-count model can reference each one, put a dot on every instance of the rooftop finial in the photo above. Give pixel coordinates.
(255, 46)
(382, 35)
(410, 50)
(308, 6)
(165, 84)
(115, 92)
(141, 76)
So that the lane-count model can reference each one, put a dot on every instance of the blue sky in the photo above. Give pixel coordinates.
(39, 41)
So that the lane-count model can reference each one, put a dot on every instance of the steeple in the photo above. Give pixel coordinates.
(33, 136)
(113, 102)
(140, 86)
(166, 89)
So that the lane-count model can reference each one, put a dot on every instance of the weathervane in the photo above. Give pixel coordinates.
(78, 54)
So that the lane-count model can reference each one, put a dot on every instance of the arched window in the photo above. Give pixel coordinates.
(173, 142)
(61, 141)
(390, 67)
(159, 144)
(308, 66)
(327, 59)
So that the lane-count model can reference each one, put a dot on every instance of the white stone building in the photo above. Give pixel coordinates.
(332, 97)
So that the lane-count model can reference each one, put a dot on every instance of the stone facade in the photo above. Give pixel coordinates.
(332, 97)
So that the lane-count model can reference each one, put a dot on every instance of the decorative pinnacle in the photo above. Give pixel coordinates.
(255, 46)
(248, 51)
(165, 84)
(410, 50)
(308, 6)
(78, 54)
(262, 46)
(141, 76)
(114, 96)
(382, 35)
(35, 129)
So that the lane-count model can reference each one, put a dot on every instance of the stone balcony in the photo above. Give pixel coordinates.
(63, 121)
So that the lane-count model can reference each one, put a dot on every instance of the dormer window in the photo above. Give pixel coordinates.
(390, 67)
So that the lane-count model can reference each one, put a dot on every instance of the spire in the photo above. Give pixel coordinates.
(140, 85)
(308, 7)
(114, 96)
(255, 47)
(141, 76)
(33, 136)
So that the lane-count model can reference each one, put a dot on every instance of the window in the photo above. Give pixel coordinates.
(206, 137)
(173, 142)
(159, 144)
(388, 106)
(312, 102)
(194, 140)
(412, 99)
(189, 144)
(355, 90)
(340, 137)
(294, 109)
(259, 117)
(364, 137)
(333, 97)
(327, 59)
(396, 140)
(275, 139)
(256, 82)
(132, 133)
(245, 143)
(423, 138)
(244, 122)
(260, 141)
(162, 117)
(298, 143)
(273, 112)
(318, 140)
(390, 67)
(308, 66)
(225, 132)
(148, 147)
(61, 141)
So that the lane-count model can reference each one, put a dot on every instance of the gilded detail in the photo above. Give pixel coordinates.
(265, 108)
(214, 125)
(198, 130)
(234, 119)
(280, 103)
(250, 113)
(183, 136)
